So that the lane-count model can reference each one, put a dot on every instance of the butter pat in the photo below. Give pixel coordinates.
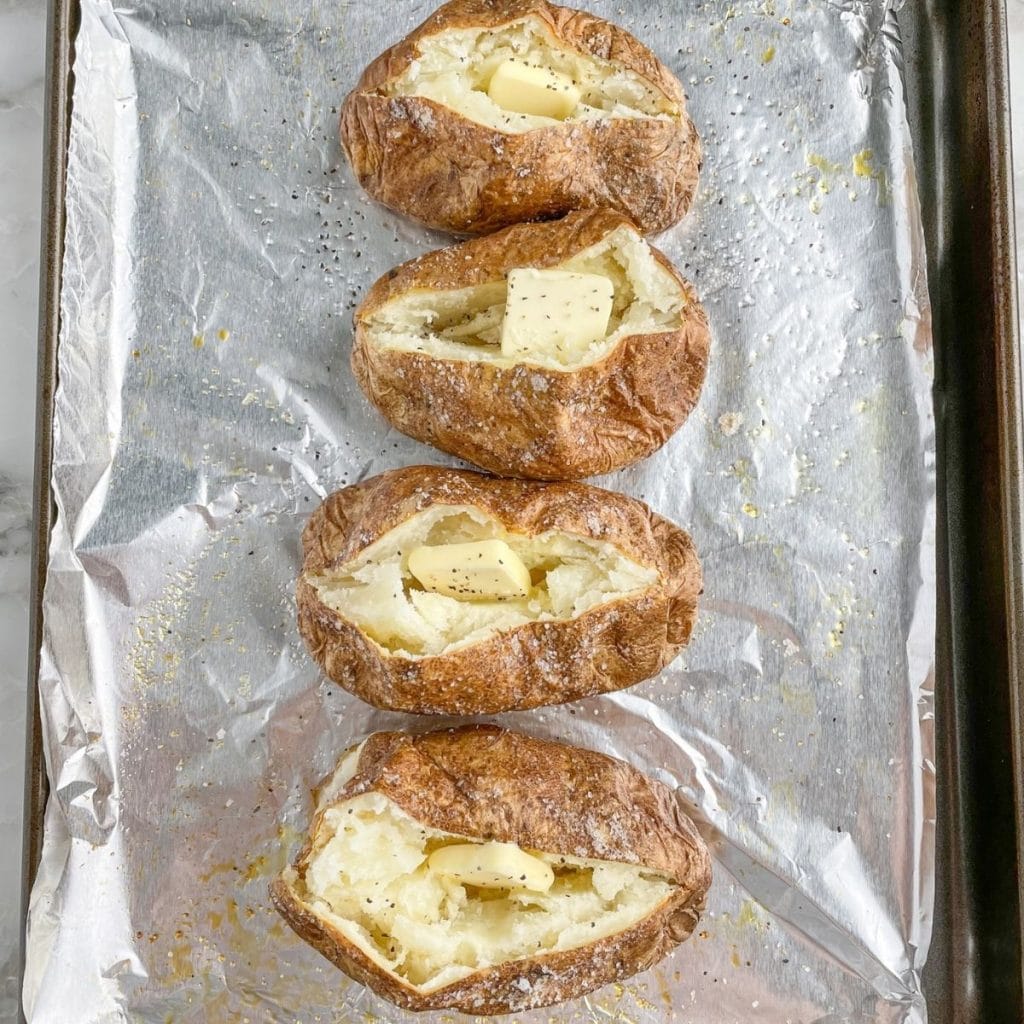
(480, 570)
(531, 89)
(555, 313)
(492, 866)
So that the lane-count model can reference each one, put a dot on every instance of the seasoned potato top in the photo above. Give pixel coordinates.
(450, 576)
(639, 293)
(433, 907)
(447, 857)
(499, 112)
(520, 76)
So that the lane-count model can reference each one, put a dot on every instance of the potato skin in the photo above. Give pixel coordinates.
(529, 421)
(489, 783)
(427, 161)
(607, 648)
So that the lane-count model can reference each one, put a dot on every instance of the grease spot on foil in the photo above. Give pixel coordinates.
(730, 422)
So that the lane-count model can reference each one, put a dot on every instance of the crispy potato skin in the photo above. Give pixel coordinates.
(607, 648)
(523, 420)
(489, 783)
(438, 167)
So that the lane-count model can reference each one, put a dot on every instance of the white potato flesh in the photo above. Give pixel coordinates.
(569, 574)
(466, 324)
(371, 878)
(457, 68)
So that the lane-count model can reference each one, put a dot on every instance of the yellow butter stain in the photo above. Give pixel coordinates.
(179, 960)
(740, 471)
(751, 510)
(800, 700)
(735, 958)
(784, 794)
(223, 334)
(862, 164)
(823, 164)
(768, 56)
(664, 991)
(771, 9)
(749, 916)
(863, 167)
(835, 635)
(198, 341)
(256, 868)
(827, 170)
(223, 868)
(639, 999)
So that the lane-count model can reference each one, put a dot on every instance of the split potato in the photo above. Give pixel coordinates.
(551, 351)
(440, 591)
(495, 112)
(486, 871)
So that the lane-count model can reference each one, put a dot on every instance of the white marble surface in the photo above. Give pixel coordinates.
(22, 31)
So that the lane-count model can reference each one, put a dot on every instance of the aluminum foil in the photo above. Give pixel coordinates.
(216, 245)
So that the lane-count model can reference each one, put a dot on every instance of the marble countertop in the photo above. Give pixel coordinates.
(22, 33)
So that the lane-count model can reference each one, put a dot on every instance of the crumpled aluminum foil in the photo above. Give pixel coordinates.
(216, 245)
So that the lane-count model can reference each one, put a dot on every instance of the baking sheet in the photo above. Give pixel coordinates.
(215, 247)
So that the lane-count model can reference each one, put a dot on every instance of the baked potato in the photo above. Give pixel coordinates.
(495, 112)
(554, 351)
(482, 870)
(441, 591)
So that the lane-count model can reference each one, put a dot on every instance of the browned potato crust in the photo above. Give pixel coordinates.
(432, 163)
(524, 420)
(492, 784)
(609, 647)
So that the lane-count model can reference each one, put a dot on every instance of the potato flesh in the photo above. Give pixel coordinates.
(570, 573)
(647, 300)
(369, 877)
(455, 68)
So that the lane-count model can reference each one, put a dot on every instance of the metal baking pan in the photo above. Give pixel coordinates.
(956, 67)
(62, 24)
